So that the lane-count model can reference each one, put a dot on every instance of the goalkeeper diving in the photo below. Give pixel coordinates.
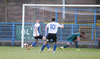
(74, 38)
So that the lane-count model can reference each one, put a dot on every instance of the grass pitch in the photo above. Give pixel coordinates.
(68, 53)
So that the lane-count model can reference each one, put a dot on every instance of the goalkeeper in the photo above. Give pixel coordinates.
(74, 38)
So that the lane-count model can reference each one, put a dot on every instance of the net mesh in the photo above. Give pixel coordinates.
(83, 16)
(46, 13)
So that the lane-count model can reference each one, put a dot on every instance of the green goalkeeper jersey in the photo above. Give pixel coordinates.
(73, 37)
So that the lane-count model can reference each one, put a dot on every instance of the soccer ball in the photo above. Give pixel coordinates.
(25, 45)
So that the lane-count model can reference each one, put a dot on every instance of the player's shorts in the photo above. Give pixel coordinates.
(51, 37)
(38, 37)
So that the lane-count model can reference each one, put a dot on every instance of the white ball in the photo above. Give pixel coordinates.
(25, 45)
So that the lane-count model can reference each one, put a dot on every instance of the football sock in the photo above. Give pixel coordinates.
(34, 43)
(55, 45)
(43, 47)
(48, 46)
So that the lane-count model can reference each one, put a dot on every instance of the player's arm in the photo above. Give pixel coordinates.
(84, 37)
(61, 26)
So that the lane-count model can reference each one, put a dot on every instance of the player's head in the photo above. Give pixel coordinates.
(53, 19)
(37, 21)
(82, 34)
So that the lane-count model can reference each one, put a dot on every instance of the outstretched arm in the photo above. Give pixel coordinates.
(62, 25)
(84, 37)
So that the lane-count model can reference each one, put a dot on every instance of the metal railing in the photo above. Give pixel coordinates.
(8, 31)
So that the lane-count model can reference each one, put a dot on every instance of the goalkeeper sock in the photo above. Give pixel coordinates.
(66, 46)
(34, 43)
(48, 46)
(54, 49)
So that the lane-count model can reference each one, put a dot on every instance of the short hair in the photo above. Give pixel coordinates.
(53, 19)
(83, 32)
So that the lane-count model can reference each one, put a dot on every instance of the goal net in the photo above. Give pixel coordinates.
(75, 17)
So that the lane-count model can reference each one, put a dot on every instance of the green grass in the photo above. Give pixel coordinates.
(68, 53)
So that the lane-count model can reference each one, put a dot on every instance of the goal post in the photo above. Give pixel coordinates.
(46, 5)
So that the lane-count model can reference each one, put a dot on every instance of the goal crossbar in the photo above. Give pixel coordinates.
(67, 5)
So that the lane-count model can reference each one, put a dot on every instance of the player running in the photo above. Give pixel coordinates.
(52, 31)
(37, 34)
(74, 38)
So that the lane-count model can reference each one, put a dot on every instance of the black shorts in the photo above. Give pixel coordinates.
(38, 37)
(51, 37)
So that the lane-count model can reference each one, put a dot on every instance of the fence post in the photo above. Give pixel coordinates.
(75, 16)
(95, 26)
(61, 34)
(95, 37)
(13, 34)
(92, 35)
(95, 17)
(76, 20)
(56, 16)
(72, 29)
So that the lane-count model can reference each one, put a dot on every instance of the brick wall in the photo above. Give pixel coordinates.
(81, 1)
(2, 10)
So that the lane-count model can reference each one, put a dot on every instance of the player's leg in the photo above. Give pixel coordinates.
(34, 43)
(67, 45)
(48, 46)
(43, 38)
(46, 42)
(55, 46)
(55, 42)
(43, 46)
(76, 44)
